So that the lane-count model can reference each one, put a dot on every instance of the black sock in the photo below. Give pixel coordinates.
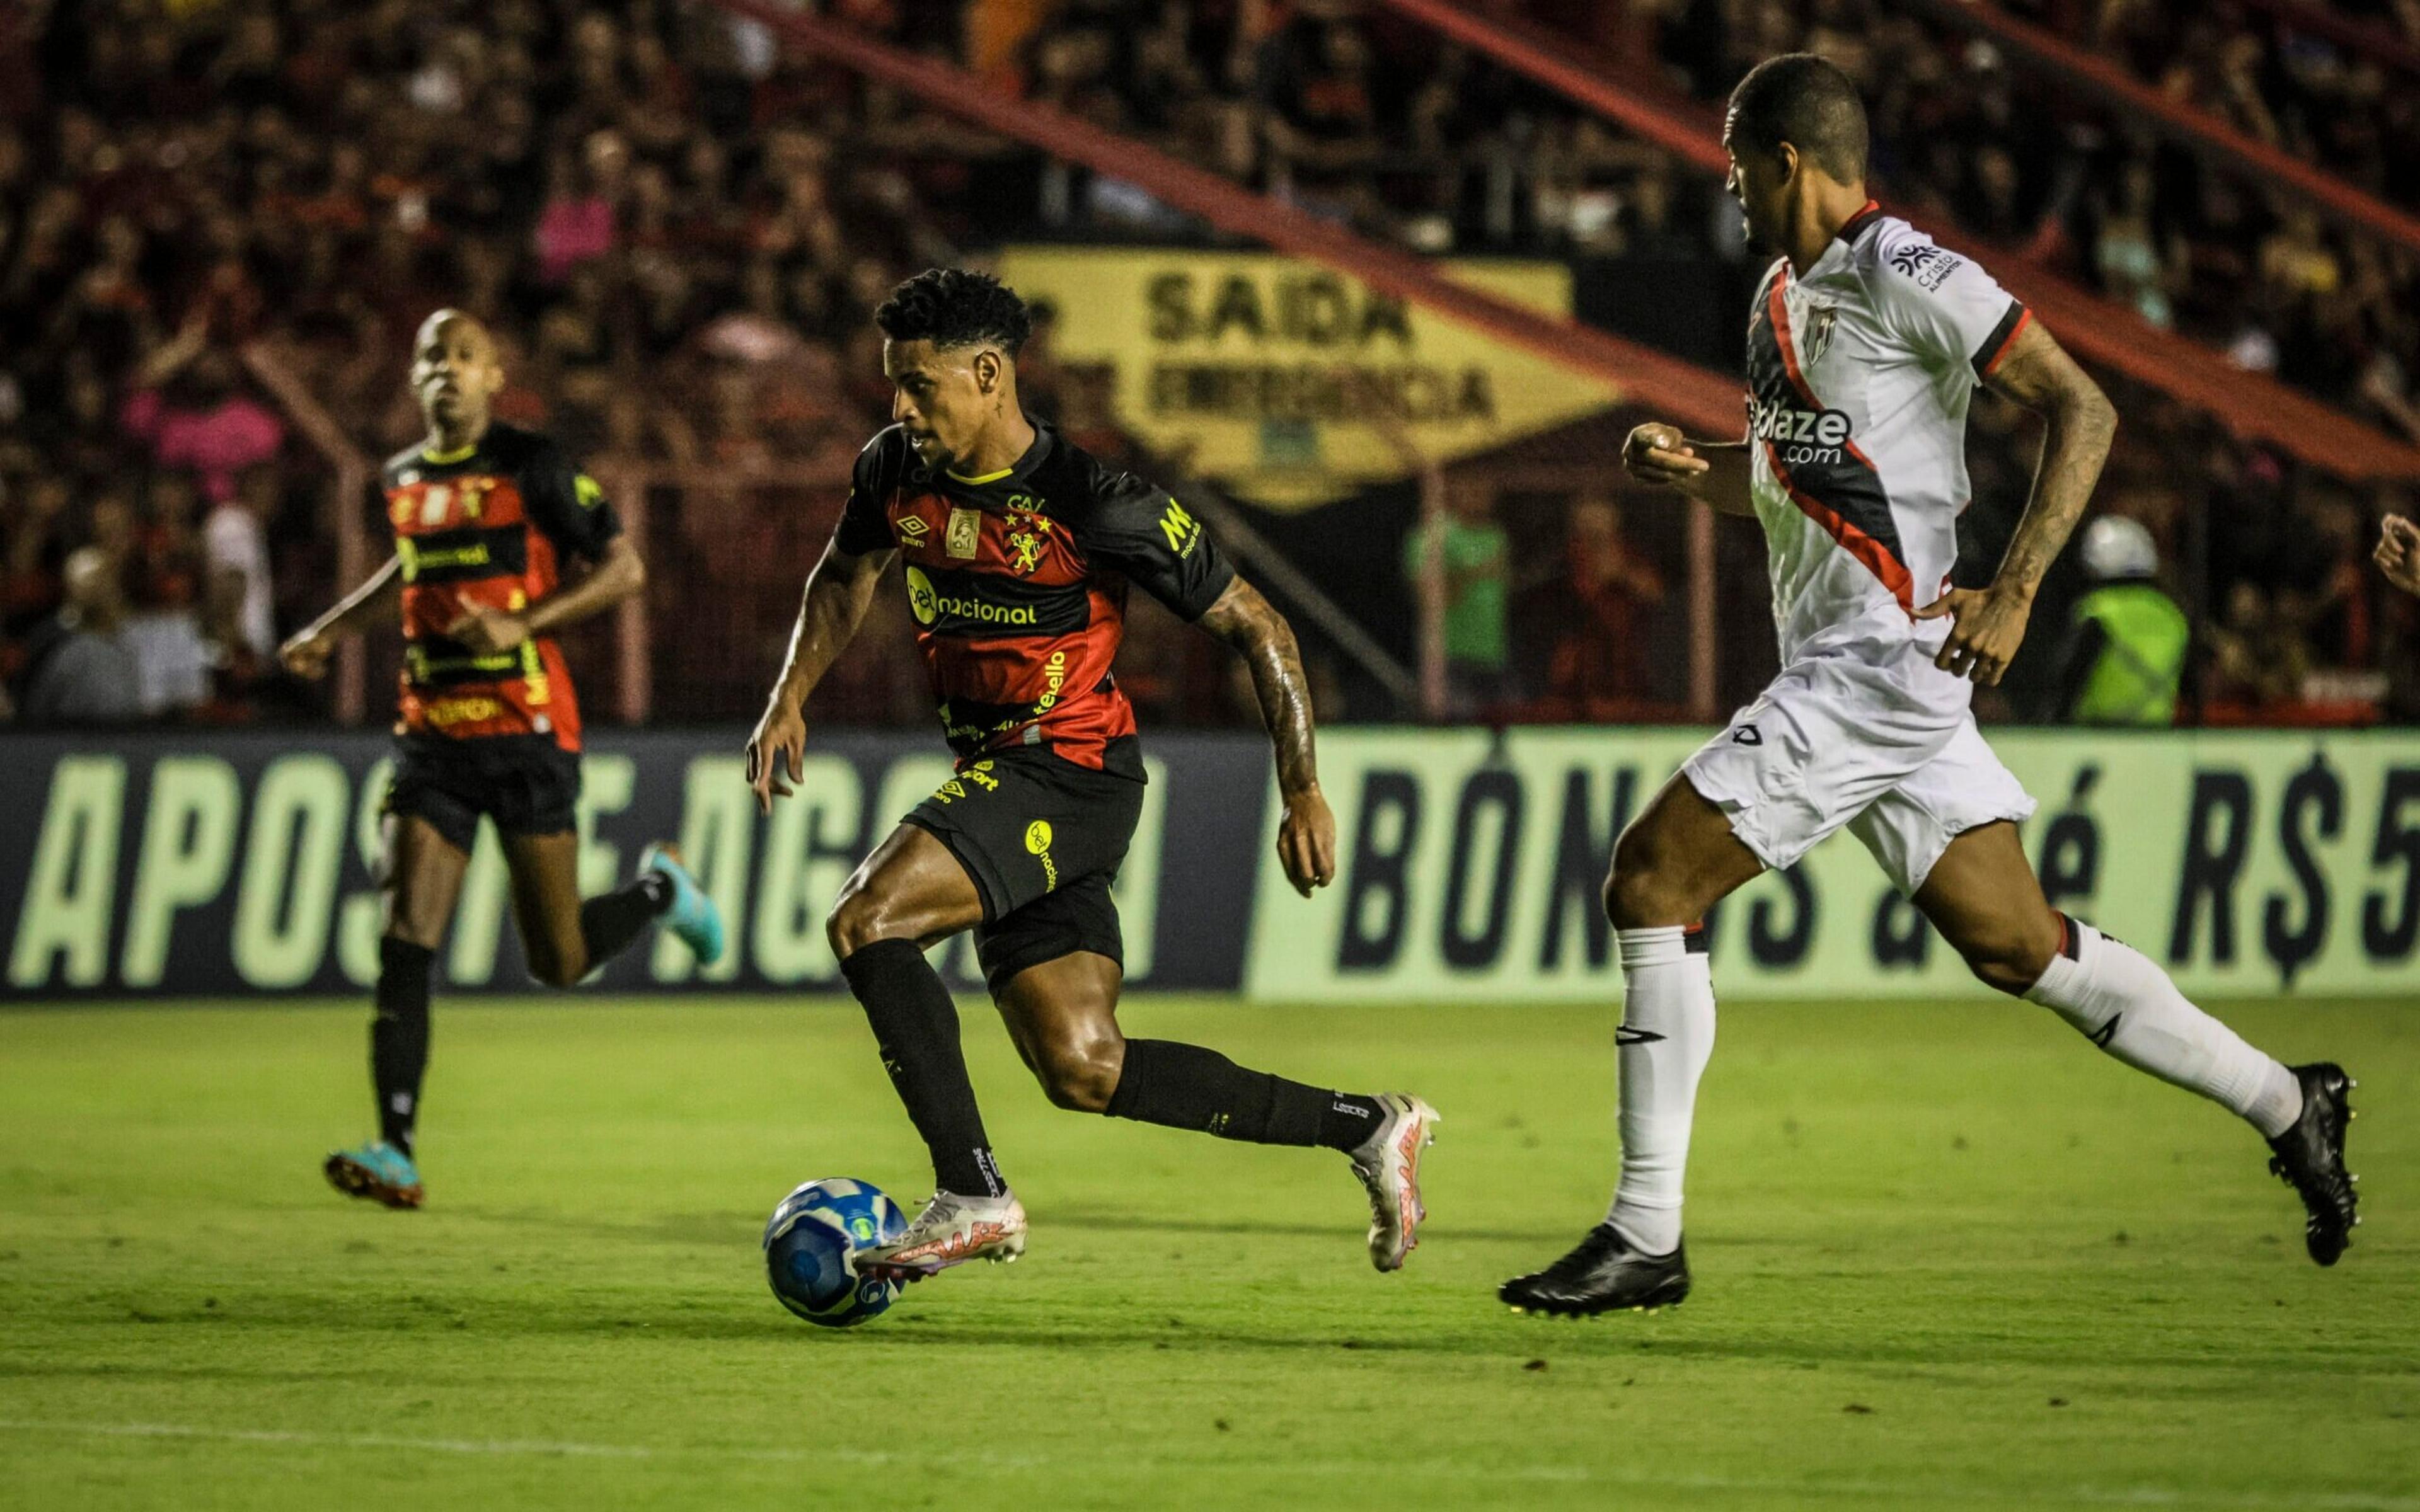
(1348, 1119)
(611, 922)
(1186, 1087)
(399, 1037)
(916, 1027)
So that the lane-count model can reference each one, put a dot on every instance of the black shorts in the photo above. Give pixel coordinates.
(1042, 837)
(527, 786)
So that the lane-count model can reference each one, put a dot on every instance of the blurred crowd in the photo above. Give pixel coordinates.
(679, 230)
(1354, 111)
(2323, 94)
(678, 236)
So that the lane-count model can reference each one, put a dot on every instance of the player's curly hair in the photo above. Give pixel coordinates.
(953, 307)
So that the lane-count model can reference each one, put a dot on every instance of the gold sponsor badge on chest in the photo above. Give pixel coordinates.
(965, 533)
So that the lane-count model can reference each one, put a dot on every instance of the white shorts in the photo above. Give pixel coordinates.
(1881, 742)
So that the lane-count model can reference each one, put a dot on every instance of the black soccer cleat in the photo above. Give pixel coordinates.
(2310, 1159)
(1603, 1275)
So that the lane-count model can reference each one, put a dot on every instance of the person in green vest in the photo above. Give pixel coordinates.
(1473, 551)
(2127, 652)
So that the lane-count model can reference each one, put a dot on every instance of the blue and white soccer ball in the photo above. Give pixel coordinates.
(808, 1242)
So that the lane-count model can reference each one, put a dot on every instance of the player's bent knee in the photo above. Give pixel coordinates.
(552, 970)
(552, 966)
(429, 937)
(1649, 885)
(1637, 895)
(1081, 1075)
(2010, 965)
(2012, 955)
(855, 923)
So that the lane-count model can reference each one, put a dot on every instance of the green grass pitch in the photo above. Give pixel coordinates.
(1946, 1257)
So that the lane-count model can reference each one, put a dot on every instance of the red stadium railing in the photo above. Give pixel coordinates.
(2249, 404)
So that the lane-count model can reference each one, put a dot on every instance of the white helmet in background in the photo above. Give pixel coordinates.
(2116, 546)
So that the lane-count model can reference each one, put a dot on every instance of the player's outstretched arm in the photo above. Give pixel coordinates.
(1987, 625)
(838, 592)
(305, 653)
(1715, 471)
(1254, 630)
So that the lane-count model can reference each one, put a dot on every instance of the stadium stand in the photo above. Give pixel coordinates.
(680, 228)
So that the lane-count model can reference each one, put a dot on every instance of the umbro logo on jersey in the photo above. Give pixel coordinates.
(1925, 263)
(1747, 735)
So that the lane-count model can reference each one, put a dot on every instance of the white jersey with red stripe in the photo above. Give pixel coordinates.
(1859, 376)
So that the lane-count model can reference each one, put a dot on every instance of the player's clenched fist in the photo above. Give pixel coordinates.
(488, 631)
(307, 655)
(1659, 453)
(780, 740)
(1307, 842)
(2398, 553)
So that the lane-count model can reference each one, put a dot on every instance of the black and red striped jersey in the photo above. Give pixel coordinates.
(1017, 582)
(488, 525)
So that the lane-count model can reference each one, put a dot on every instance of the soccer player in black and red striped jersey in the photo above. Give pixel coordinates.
(486, 516)
(1018, 551)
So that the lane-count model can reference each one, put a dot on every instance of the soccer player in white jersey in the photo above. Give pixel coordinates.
(1866, 343)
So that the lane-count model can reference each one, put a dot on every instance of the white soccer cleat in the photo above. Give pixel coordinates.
(1389, 1165)
(951, 1230)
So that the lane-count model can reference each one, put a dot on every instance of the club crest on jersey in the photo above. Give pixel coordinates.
(1024, 551)
(965, 534)
(1820, 321)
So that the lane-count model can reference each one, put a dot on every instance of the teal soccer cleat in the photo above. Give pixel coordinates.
(692, 915)
(377, 1170)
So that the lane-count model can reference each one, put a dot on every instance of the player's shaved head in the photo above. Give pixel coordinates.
(460, 324)
(456, 373)
(1807, 102)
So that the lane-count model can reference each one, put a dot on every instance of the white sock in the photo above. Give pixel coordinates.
(2127, 1006)
(1668, 1032)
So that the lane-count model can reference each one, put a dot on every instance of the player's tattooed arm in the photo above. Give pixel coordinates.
(838, 592)
(1715, 471)
(1987, 625)
(306, 653)
(1253, 629)
(617, 575)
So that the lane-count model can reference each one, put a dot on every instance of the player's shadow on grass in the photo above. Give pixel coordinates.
(722, 1228)
(1122, 1223)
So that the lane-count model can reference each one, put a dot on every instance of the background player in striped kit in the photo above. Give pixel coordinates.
(487, 722)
